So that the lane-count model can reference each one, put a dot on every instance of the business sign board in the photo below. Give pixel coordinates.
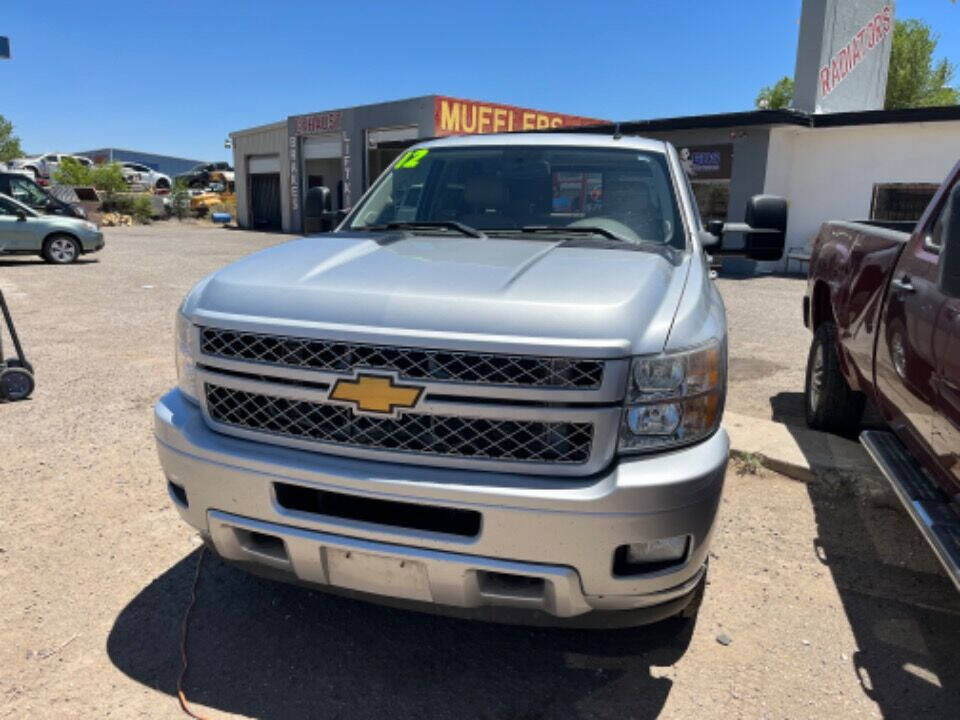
(843, 55)
(323, 122)
(453, 116)
(707, 162)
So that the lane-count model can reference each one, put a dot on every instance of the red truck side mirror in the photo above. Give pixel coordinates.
(949, 280)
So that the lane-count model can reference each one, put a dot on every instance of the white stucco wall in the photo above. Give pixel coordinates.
(829, 173)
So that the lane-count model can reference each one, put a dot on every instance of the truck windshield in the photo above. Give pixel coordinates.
(514, 190)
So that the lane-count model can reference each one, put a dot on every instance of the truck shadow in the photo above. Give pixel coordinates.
(14, 262)
(270, 650)
(903, 611)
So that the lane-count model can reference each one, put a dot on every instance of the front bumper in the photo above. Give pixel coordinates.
(92, 242)
(544, 544)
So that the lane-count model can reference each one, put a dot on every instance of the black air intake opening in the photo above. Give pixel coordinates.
(411, 516)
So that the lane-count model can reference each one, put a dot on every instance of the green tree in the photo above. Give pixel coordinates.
(914, 80)
(776, 97)
(9, 143)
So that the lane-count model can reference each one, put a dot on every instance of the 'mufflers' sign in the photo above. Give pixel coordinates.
(453, 116)
(843, 55)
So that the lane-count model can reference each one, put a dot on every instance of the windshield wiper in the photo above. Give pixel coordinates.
(426, 224)
(582, 229)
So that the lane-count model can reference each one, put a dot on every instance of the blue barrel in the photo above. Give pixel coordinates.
(220, 217)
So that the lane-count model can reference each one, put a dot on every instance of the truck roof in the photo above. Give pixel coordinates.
(548, 139)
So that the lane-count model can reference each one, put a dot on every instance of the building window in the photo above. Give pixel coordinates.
(713, 198)
(901, 201)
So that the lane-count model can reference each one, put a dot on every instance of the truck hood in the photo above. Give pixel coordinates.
(524, 295)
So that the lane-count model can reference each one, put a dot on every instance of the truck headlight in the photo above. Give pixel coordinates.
(186, 357)
(673, 399)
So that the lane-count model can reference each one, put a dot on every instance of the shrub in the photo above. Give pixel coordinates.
(179, 200)
(119, 204)
(142, 210)
(108, 178)
(74, 173)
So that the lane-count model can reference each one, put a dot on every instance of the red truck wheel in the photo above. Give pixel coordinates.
(830, 404)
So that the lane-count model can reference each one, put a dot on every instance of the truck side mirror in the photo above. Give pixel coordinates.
(949, 280)
(764, 230)
(318, 215)
(715, 228)
(767, 217)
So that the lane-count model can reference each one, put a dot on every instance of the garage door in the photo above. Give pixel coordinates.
(265, 200)
(322, 147)
(262, 164)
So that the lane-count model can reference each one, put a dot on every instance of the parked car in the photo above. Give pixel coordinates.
(22, 188)
(57, 239)
(139, 174)
(475, 402)
(44, 166)
(202, 175)
(884, 307)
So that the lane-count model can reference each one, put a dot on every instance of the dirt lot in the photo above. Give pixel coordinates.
(833, 605)
(768, 346)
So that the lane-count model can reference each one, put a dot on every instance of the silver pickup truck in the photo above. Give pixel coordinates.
(495, 391)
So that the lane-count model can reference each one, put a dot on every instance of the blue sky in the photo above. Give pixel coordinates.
(176, 77)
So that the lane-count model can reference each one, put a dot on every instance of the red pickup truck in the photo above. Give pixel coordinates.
(884, 308)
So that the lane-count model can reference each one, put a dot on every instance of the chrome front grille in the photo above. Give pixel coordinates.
(410, 363)
(452, 436)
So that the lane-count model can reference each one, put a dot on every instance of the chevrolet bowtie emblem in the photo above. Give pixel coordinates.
(376, 394)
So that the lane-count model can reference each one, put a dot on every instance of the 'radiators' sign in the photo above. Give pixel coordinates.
(453, 116)
(843, 55)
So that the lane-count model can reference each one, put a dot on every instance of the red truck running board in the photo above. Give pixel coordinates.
(930, 508)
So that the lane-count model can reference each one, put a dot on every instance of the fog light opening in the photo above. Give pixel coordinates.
(178, 493)
(262, 544)
(649, 556)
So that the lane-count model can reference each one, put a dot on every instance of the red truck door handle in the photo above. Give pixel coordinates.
(903, 284)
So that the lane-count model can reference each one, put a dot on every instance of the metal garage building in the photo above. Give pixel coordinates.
(167, 164)
(346, 149)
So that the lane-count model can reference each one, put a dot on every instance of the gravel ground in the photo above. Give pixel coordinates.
(832, 603)
(768, 346)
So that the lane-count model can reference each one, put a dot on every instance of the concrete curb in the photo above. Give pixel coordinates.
(797, 452)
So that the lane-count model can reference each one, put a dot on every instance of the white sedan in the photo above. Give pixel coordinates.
(139, 174)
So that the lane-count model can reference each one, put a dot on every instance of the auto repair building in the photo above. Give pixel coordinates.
(345, 149)
(876, 164)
